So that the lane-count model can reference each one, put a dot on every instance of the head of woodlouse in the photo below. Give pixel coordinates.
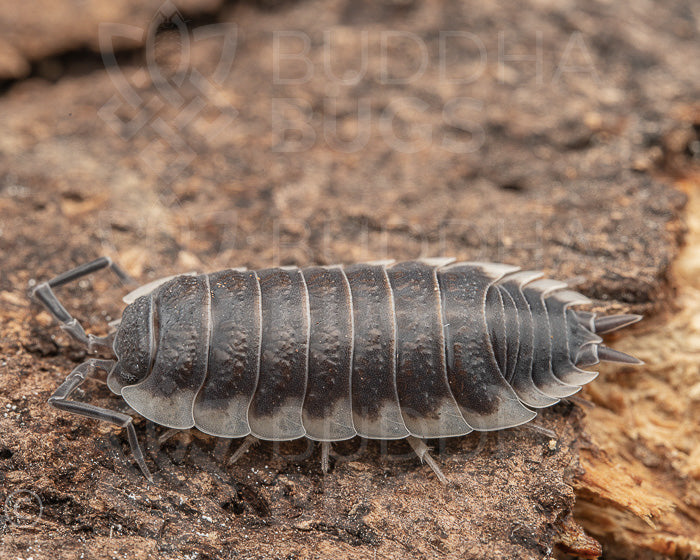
(133, 344)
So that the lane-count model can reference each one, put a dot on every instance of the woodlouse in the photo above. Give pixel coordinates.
(418, 349)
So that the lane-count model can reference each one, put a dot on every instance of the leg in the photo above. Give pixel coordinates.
(68, 323)
(421, 450)
(60, 400)
(325, 454)
(168, 434)
(248, 442)
(580, 401)
(539, 429)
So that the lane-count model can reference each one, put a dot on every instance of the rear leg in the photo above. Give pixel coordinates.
(60, 400)
(67, 322)
(534, 427)
(423, 452)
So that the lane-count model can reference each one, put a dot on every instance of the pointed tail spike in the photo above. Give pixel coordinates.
(610, 355)
(611, 323)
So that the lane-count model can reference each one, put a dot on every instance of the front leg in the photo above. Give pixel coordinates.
(69, 323)
(60, 400)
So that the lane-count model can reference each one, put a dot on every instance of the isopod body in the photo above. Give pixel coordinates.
(422, 349)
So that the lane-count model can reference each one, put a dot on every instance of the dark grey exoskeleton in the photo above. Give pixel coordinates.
(419, 349)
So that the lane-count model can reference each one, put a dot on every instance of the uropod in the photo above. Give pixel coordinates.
(421, 349)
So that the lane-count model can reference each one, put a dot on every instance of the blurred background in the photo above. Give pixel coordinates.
(204, 134)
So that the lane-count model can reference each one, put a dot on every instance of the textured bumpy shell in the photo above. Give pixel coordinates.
(426, 348)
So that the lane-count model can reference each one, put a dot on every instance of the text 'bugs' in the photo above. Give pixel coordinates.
(418, 349)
